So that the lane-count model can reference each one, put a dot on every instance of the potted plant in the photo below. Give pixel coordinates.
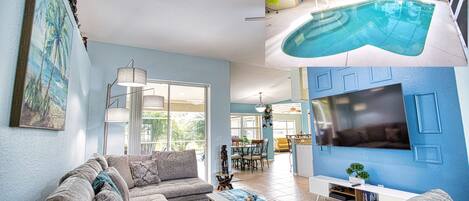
(245, 140)
(357, 173)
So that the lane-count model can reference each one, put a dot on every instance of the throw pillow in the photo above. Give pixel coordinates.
(144, 172)
(103, 180)
(392, 134)
(176, 164)
(121, 163)
(107, 194)
(120, 183)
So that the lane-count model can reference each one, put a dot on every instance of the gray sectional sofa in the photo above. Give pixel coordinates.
(177, 172)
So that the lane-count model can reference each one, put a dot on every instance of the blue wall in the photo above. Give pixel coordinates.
(438, 157)
(266, 132)
(106, 58)
(33, 160)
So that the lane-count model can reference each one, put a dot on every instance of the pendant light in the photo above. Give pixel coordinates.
(261, 106)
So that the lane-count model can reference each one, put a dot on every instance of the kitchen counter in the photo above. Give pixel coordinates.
(302, 159)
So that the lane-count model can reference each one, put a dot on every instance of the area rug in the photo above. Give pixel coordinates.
(240, 195)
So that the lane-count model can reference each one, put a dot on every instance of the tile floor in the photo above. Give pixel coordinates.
(277, 183)
(442, 47)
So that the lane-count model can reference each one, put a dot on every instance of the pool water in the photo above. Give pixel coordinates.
(399, 26)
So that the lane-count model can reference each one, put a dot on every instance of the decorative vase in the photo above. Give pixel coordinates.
(356, 180)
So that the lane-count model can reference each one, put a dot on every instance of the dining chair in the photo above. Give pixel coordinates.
(236, 153)
(265, 149)
(255, 154)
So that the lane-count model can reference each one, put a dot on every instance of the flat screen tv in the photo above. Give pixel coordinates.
(373, 118)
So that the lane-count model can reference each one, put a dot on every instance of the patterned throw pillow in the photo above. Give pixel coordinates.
(144, 172)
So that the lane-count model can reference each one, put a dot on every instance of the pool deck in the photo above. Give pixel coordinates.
(443, 46)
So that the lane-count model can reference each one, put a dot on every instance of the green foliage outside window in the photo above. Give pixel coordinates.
(187, 130)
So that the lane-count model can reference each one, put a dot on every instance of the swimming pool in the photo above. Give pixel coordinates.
(399, 26)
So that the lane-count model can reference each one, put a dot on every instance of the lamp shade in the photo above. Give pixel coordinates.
(131, 77)
(153, 102)
(117, 115)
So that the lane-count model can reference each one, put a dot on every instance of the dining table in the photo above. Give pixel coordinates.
(242, 150)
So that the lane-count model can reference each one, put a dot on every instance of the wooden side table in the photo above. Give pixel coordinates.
(224, 181)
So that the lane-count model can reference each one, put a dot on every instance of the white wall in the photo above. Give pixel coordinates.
(106, 58)
(33, 160)
(462, 82)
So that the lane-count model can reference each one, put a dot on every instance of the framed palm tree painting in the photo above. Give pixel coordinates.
(42, 75)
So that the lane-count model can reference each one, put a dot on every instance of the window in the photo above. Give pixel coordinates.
(282, 128)
(246, 125)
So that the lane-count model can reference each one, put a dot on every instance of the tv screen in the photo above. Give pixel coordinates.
(373, 118)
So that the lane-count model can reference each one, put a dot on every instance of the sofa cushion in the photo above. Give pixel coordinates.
(153, 197)
(93, 163)
(199, 197)
(144, 172)
(133, 158)
(101, 160)
(107, 193)
(176, 165)
(121, 163)
(88, 170)
(174, 188)
(120, 182)
(73, 188)
(433, 195)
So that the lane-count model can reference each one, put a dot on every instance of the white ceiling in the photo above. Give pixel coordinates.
(248, 80)
(208, 28)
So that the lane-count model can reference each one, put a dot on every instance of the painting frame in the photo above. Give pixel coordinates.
(40, 101)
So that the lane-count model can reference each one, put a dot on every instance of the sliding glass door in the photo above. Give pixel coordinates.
(180, 125)
(187, 113)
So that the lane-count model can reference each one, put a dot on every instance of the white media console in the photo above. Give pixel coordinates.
(323, 185)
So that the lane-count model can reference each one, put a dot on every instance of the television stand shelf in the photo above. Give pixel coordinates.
(323, 185)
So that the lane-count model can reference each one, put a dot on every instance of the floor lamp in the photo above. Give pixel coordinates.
(128, 76)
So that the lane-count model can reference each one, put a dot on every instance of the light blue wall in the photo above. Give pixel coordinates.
(33, 160)
(438, 159)
(106, 58)
(266, 132)
(305, 109)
